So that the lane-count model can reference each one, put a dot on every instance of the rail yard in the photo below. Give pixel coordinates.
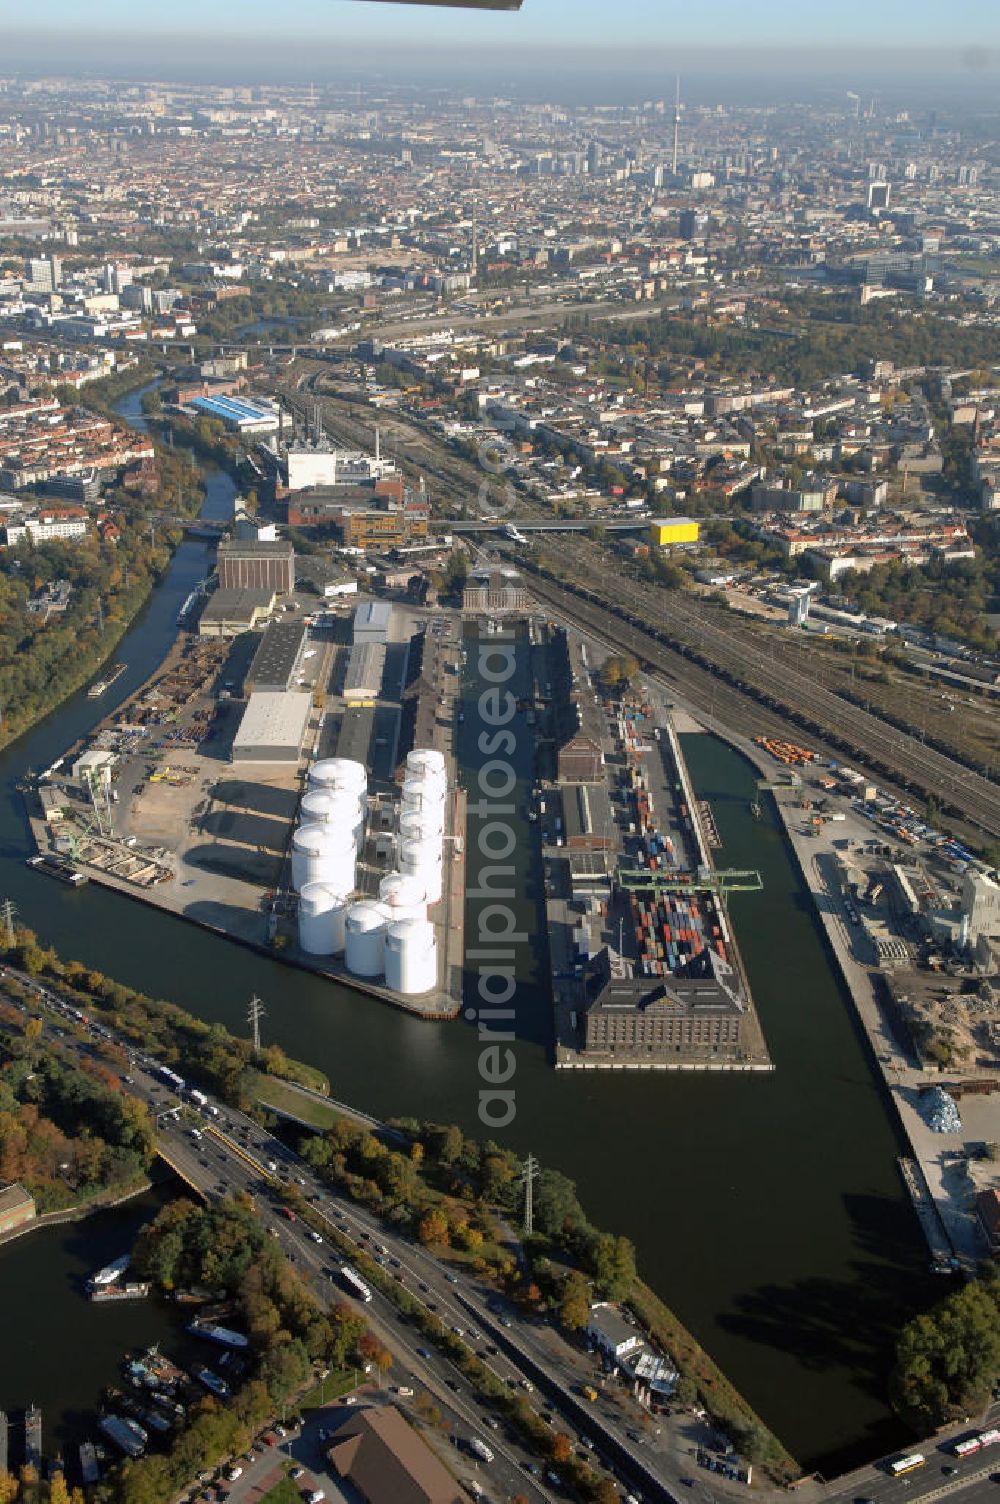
(735, 682)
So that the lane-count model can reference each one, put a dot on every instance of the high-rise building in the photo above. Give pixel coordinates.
(693, 224)
(43, 273)
(878, 198)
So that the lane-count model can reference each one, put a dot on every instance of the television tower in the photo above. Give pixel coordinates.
(677, 126)
(475, 240)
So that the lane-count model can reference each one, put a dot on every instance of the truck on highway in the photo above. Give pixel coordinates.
(198, 1098)
(480, 1449)
(355, 1283)
(589, 1392)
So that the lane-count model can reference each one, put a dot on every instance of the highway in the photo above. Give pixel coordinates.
(221, 1152)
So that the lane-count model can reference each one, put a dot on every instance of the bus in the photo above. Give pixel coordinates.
(906, 1464)
(355, 1283)
(966, 1446)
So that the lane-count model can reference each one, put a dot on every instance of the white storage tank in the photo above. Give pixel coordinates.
(334, 806)
(411, 956)
(404, 895)
(322, 911)
(364, 939)
(421, 825)
(424, 760)
(338, 773)
(423, 796)
(428, 778)
(423, 859)
(323, 854)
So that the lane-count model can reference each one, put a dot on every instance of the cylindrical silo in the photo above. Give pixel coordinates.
(323, 854)
(421, 825)
(404, 895)
(336, 807)
(322, 910)
(364, 939)
(338, 773)
(422, 859)
(430, 778)
(411, 956)
(424, 760)
(420, 795)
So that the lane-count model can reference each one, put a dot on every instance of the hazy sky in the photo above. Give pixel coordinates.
(627, 23)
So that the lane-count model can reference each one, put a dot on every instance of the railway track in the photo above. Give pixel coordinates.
(715, 668)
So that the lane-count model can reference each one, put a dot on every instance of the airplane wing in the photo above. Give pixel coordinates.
(462, 4)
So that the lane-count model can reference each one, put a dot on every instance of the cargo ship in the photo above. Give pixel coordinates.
(212, 1382)
(110, 1272)
(188, 607)
(127, 1434)
(137, 1290)
(223, 1335)
(58, 867)
(99, 686)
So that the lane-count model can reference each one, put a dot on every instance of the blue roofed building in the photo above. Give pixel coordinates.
(240, 413)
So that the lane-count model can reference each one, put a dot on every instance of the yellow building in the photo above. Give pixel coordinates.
(667, 530)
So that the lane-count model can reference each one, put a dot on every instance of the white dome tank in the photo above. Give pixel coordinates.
(423, 796)
(404, 895)
(421, 825)
(411, 956)
(328, 806)
(322, 910)
(323, 854)
(339, 773)
(431, 778)
(422, 859)
(423, 760)
(364, 939)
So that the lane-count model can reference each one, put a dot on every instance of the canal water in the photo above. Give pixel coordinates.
(59, 1350)
(765, 1209)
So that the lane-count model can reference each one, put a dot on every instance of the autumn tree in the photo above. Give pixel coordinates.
(433, 1227)
(574, 1304)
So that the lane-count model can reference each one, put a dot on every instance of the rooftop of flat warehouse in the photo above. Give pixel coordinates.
(274, 718)
(278, 653)
(233, 407)
(355, 735)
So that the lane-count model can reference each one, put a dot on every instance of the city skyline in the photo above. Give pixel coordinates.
(576, 23)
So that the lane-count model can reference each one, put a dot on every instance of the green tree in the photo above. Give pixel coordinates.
(613, 1261)
(948, 1360)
